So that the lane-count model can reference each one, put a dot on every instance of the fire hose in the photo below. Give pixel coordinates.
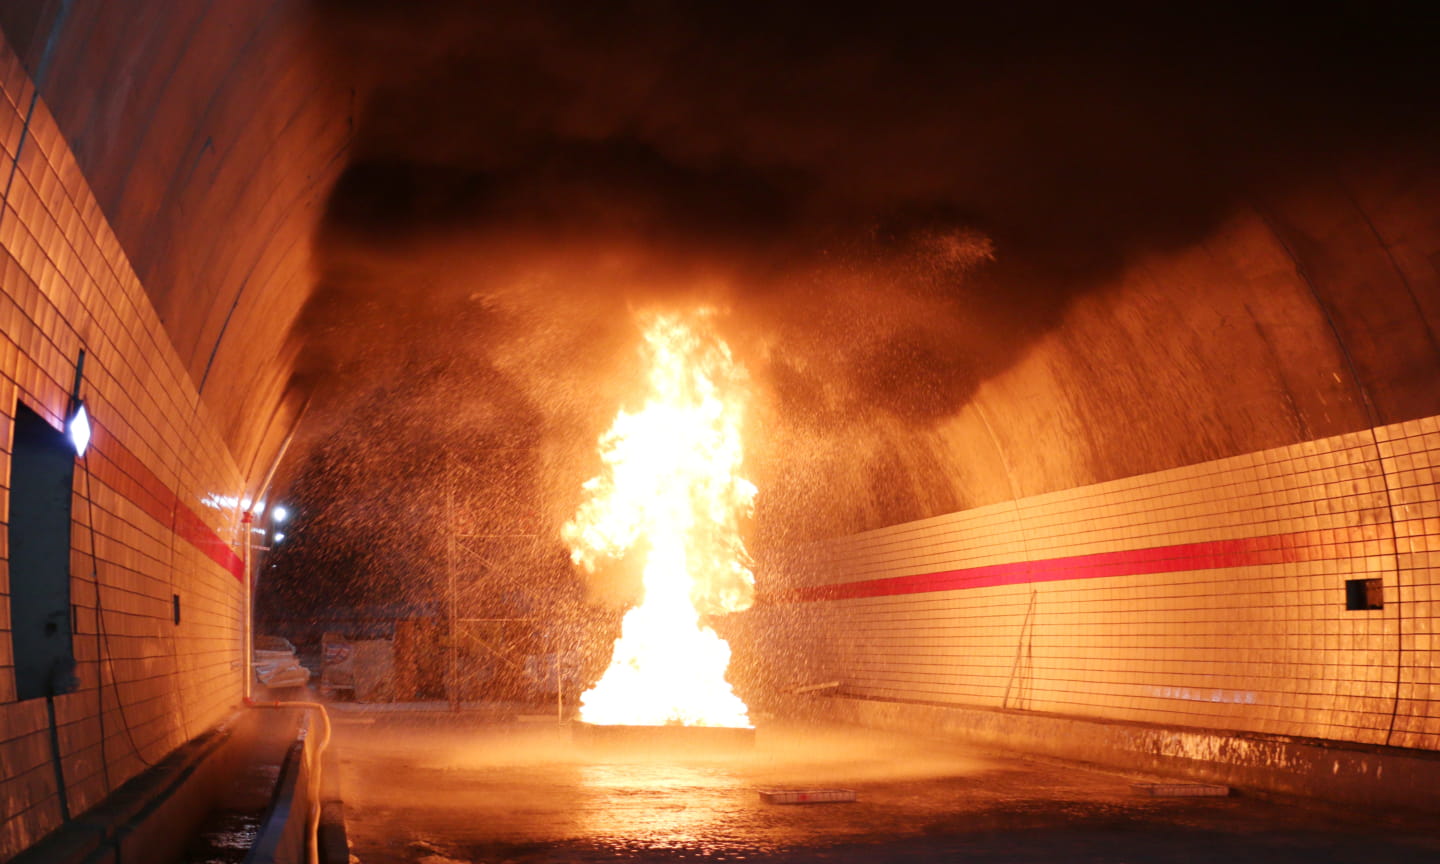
(313, 826)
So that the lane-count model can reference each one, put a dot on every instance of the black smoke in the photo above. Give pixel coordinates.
(891, 200)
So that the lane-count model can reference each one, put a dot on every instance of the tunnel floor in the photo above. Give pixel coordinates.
(440, 788)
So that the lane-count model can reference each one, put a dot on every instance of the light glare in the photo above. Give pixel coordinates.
(79, 429)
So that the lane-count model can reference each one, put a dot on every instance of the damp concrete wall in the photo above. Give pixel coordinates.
(155, 501)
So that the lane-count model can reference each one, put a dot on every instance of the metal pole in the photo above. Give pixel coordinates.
(247, 635)
(247, 552)
(453, 674)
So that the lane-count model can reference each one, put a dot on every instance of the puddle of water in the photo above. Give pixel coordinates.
(225, 839)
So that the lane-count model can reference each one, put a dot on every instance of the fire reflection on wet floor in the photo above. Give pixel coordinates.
(456, 789)
(661, 806)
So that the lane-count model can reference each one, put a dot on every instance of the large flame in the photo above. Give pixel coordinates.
(671, 495)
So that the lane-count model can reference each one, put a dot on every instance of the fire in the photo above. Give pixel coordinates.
(671, 495)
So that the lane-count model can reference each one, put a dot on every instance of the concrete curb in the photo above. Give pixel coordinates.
(155, 811)
(283, 837)
(334, 840)
(1386, 778)
(153, 816)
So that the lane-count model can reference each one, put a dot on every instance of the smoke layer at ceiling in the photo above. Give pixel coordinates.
(891, 203)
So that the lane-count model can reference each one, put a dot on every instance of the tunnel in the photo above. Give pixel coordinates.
(1088, 360)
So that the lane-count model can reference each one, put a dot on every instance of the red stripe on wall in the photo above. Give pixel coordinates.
(1326, 544)
(113, 464)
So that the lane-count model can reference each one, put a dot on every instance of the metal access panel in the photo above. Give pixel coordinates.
(42, 471)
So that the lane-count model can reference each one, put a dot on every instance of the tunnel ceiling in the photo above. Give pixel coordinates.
(968, 255)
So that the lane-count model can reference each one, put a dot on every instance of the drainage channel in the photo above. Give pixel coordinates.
(228, 834)
(225, 839)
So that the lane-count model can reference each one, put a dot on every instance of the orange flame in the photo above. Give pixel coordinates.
(671, 491)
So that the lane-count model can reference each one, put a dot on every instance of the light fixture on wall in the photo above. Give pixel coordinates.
(78, 428)
(77, 425)
(279, 513)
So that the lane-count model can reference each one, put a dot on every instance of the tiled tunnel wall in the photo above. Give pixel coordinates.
(1209, 596)
(209, 140)
(156, 494)
(159, 219)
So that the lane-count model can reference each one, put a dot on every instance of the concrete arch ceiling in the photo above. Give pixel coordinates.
(967, 257)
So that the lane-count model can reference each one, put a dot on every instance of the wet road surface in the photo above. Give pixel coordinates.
(442, 788)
